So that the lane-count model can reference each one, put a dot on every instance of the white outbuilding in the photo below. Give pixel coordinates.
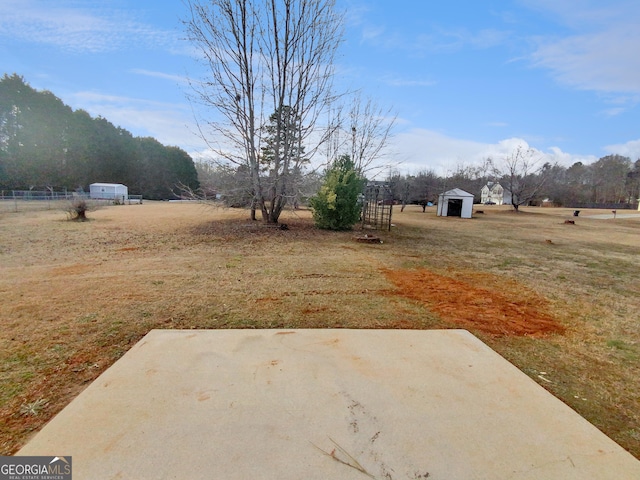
(109, 191)
(455, 203)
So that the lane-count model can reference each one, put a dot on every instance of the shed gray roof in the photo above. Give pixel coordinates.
(107, 185)
(456, 192)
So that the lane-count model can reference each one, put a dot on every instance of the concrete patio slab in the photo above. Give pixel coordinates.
(324, 404)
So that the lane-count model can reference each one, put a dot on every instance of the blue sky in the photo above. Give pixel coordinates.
(467, 79)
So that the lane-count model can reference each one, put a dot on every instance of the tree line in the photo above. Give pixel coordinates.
(611, 180)
(46, 144)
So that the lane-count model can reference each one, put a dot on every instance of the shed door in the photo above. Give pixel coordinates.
(454, 208)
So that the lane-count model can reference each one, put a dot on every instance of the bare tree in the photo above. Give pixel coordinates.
(524, 175)
(363, 133)
(371, 128)
(267, 60)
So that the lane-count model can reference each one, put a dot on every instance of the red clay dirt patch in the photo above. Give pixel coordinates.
(497, 312)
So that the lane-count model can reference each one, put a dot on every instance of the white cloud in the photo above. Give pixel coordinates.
(556, 155)
(434, 39)
(630, 149)
(448, 40)
(601, 53)
(421, 149)
(372, 32)
(165, 76)
(76, 29)
(605, 61)
(613, 112)
(581, 13)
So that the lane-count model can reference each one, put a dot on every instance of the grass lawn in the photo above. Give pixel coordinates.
(560, 301)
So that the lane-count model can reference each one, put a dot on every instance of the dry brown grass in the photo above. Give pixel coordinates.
(559, 301)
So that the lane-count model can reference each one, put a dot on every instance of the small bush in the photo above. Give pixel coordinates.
(78, 209)
(335, 206)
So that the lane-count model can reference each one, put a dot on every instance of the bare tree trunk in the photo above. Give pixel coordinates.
(405, 195)
(253, 210)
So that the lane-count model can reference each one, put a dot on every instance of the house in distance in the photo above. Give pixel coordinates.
(494, 194)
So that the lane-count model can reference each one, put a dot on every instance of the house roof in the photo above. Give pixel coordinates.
(456, 192)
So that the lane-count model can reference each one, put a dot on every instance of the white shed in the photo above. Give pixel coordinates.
(109, 191)
(455, 203)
